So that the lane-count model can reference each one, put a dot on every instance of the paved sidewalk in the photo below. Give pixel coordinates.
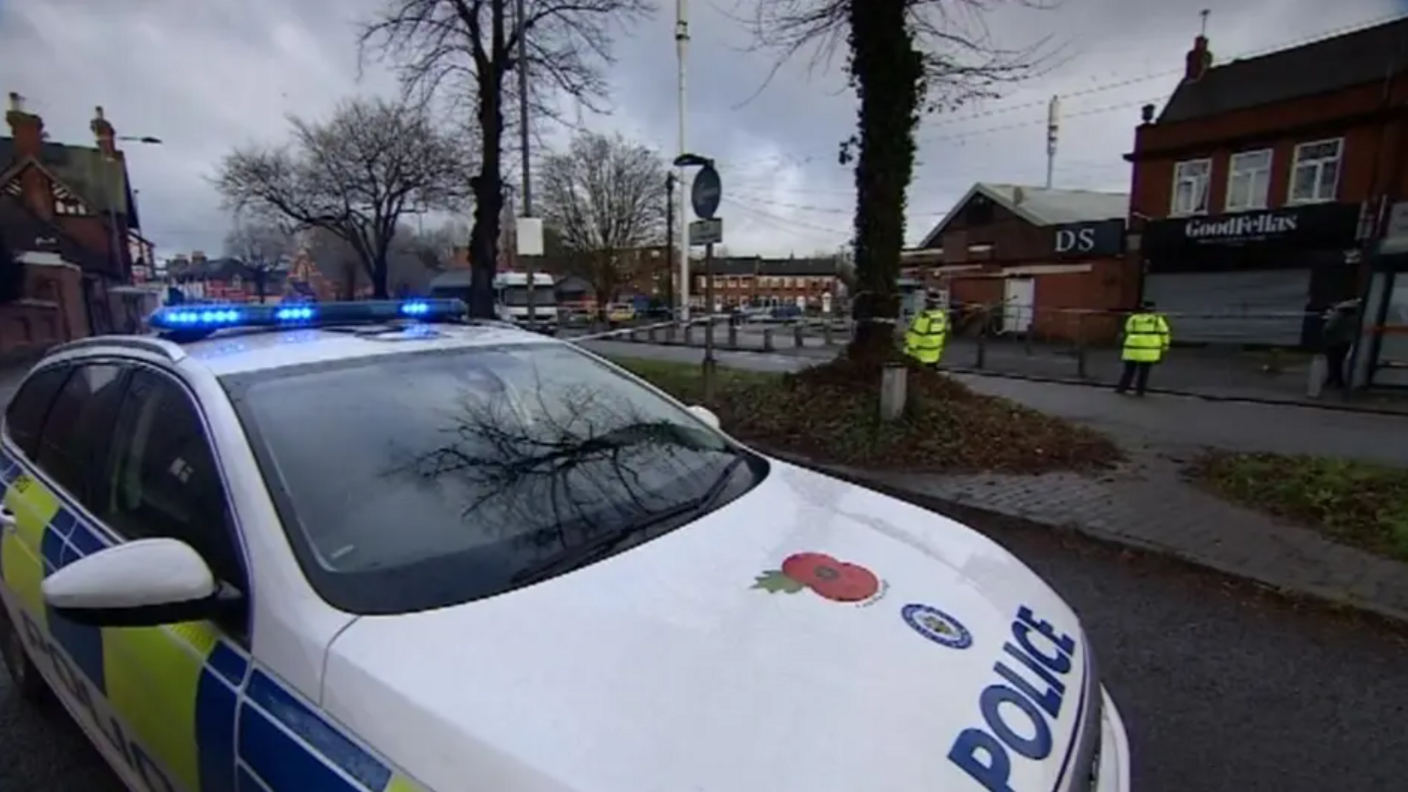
(1217, 374)
(1147, 505)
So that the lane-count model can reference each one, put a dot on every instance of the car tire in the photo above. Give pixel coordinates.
(23, 674)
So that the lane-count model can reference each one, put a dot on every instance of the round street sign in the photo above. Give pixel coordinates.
(707, 191)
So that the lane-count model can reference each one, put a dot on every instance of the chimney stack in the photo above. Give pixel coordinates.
(104, 133)
(26, 128)
(1198, 60)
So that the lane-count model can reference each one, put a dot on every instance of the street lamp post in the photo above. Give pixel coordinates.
(112, 205)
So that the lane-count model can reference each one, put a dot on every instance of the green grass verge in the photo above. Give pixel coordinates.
(1354, 503)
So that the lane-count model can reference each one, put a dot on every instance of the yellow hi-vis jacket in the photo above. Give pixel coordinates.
(1146, 338)
(924, 341)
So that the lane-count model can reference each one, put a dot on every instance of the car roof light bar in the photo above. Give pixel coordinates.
(200, 320)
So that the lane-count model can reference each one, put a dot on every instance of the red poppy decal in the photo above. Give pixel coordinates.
(834, 580)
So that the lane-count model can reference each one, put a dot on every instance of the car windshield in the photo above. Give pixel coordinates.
(416, 481)
(517, 296)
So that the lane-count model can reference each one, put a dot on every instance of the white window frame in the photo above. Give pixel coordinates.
(1256, 199)
(1319, 165)
(1178, 179)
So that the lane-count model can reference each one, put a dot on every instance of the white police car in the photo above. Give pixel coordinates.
(328, 548)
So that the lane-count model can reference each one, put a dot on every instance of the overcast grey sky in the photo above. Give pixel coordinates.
(207, 75)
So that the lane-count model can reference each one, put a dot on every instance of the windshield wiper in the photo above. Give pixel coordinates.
(604, 546)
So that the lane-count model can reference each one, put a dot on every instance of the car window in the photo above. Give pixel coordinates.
(78, 427)
(163, 478)
(422, 480)
(24, 417)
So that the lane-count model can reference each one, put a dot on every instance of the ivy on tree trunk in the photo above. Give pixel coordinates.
(886, 70)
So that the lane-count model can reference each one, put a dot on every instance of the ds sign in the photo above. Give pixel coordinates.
(1102, 238)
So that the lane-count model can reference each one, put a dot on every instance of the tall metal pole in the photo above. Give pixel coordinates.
(523, 146)
(669, 239)
(682, 50)
(709, 363)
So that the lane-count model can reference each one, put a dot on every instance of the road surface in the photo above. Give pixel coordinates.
(1172, 423)
(1222, 689)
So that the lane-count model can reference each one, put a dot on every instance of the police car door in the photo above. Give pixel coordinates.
(57, 433)
(174, 687)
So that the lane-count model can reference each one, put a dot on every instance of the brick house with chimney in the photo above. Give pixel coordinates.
(70, 221)
(1260, 190)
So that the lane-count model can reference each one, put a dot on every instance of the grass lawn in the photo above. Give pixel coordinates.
(1353, 503)
(830, 413)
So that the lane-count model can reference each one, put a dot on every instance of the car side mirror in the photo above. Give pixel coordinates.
(145, 583)
(705, 414)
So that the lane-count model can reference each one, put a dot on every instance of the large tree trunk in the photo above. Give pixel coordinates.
(887, 70)
(488, 199)
(380, 270)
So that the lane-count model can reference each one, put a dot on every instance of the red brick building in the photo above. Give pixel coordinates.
(70, 221)
(1261, 188)
(1052, 259)
(813, 284)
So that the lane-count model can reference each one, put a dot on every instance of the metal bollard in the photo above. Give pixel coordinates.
(733, 335)
(982, 349)
(797, 336)
(826, 334)
(689, 335)
(1319, 365)
(767, 339)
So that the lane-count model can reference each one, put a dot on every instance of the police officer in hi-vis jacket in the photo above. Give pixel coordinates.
(1146, 339)
(927, 334)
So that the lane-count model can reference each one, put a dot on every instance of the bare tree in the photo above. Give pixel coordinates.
(260, 243)
(354, 176)
(602, 196)
(903, 57)
(468, 48)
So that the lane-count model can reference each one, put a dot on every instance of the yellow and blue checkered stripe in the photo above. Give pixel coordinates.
(195, 714)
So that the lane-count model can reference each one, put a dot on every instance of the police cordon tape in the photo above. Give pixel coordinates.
(608, 335)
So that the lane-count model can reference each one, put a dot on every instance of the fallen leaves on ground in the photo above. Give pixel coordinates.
(1354, 503)
(830, 413)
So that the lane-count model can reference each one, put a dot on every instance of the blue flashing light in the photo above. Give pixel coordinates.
(296, 313)
(190, 320)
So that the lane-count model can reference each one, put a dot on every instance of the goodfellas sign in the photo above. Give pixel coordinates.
(1315, 226)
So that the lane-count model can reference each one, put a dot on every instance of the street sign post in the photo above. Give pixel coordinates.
(707, 191)
(706, 232)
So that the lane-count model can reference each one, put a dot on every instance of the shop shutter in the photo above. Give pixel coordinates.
(1249, 307)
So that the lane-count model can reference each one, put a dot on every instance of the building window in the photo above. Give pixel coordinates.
(1248, 179)
(1315, 173)
(1190, 186)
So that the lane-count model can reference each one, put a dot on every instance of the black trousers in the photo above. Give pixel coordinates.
(1335, 355)
(1136, 374)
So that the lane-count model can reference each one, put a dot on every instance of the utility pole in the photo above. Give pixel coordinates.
(670, 242)
(523, 146)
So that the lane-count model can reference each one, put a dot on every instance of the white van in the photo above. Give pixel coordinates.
(511, 300)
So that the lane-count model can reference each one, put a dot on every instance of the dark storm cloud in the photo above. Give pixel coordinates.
(205, 76)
